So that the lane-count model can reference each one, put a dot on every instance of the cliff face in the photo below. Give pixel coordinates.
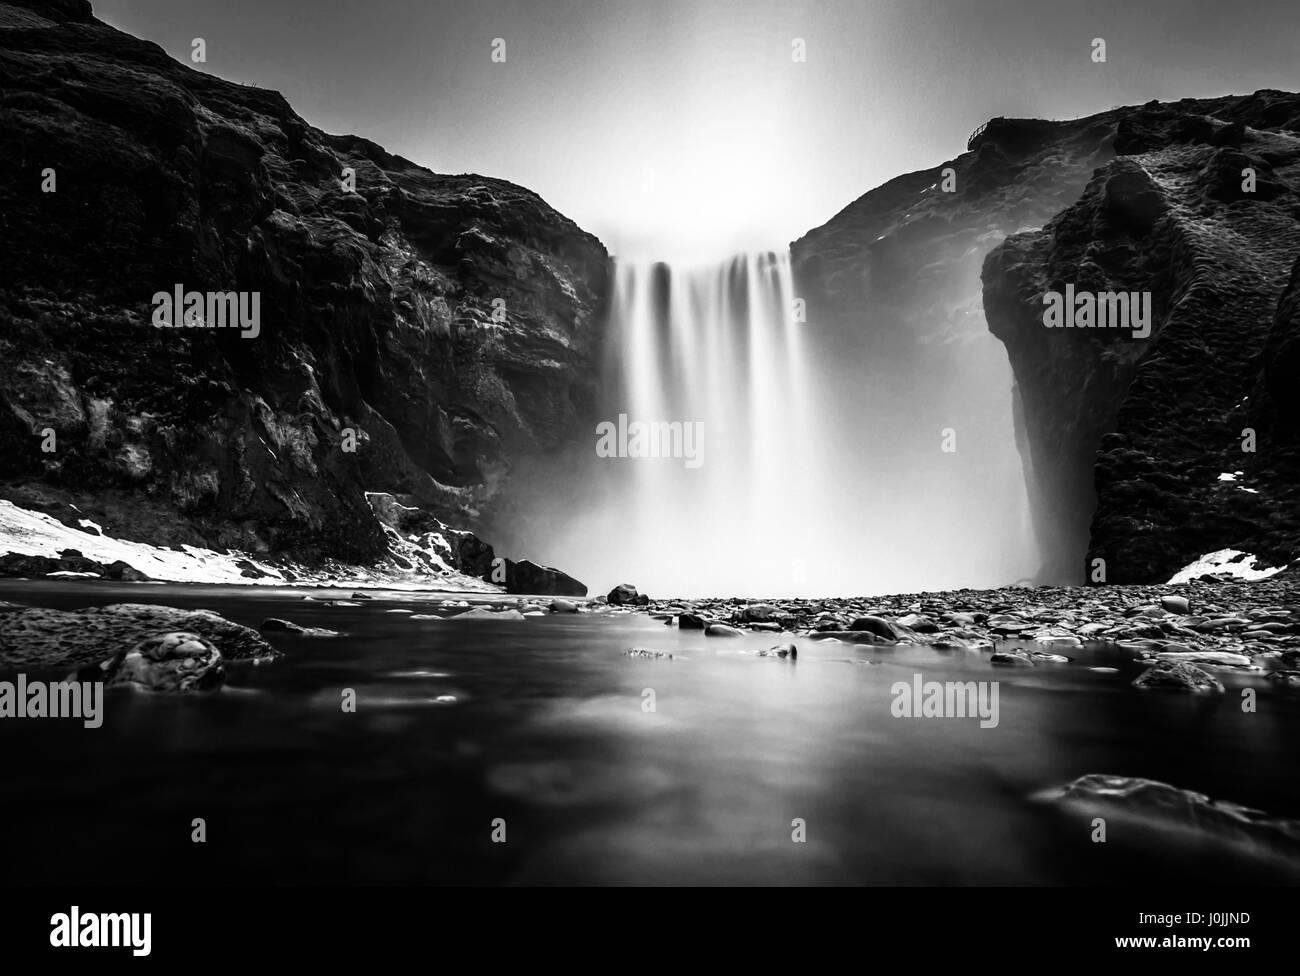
(892, 284)
(1145, 427)
(1138, 431)
(449, 321)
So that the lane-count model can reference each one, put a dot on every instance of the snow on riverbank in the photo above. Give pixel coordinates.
(1226, 561)
(28, 533)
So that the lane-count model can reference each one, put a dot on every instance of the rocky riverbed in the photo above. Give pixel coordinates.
(1186, 633)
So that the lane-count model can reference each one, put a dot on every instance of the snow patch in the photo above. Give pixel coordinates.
(1231, 562)
(28, 533)
(37, 534)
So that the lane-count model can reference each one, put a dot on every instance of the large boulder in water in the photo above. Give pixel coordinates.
(528, 577)
(625, 594)
(37, 638)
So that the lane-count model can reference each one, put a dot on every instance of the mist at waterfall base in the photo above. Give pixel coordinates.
(822, 470)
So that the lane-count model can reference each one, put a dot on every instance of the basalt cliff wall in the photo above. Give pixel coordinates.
(418, 334)
(1121, 441)
(1149, 452)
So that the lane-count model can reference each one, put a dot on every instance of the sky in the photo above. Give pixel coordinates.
(686, 130)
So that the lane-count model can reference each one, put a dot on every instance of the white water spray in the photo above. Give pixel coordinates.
(821, 470)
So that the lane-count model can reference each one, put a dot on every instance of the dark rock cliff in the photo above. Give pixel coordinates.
(1135, 198)
(892, 283)
(1144, 427)
(450, 321)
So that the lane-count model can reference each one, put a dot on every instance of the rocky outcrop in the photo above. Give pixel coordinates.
(1138, 198)
(420, 540)
(528, 577)
(418, 334)
(27, 567)
(1135, 446)
(38, 638)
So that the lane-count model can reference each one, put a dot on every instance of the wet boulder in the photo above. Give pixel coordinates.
(1176, 604)
(172, 662)
(1011, 659)
(876, 625)
(722, 630)
(758, 612)
(289, 627)
(37, 637)
(626, 595)
(1178, 676)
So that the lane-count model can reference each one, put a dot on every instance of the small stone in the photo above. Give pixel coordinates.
(647, 653)
(721, 630)
(1047, 658)
(1206, 657)
(482, 613)
(275, 623)
(289, 627)
(1285, 677)
(1013, 659)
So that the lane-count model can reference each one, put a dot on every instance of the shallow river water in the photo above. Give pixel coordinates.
(540, 729)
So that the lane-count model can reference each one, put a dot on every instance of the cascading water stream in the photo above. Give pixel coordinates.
(818, 466)
(717, 348)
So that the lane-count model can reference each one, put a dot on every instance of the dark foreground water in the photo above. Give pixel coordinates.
(548, 732)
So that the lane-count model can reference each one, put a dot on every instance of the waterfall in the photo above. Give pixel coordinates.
(718, 348)
(800, 461)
